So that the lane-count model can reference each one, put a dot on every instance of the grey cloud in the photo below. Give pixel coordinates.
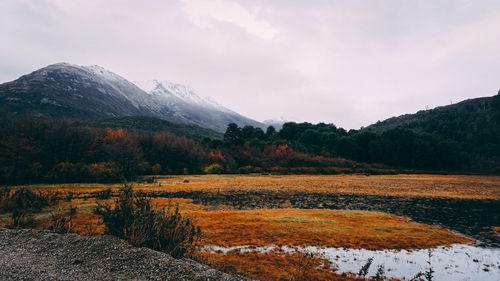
(350, 63)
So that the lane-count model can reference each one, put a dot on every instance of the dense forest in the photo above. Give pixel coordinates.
(35, 149)
(38, 149)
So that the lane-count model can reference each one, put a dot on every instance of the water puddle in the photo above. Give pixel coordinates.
(456, 262)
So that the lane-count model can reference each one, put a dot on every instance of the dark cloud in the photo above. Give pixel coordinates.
(345, 62)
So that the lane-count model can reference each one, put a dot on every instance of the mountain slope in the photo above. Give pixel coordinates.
(188, 105)
(470, 127)
(151, 124)
(85, 92)
(472, 119)
(92, 92)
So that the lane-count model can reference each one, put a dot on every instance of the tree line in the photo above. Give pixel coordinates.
(36, 149)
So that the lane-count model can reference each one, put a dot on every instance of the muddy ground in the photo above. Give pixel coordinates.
(474, 218)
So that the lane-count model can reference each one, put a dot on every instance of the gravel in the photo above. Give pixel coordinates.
(29, 254)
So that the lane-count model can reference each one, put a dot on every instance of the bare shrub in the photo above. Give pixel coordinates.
(429, 273)
(303, 267)
(62, 222)
(380, 273)
(104, 194)
(214, 169)
(135, 219)
(417, 277)
(22, 203)
(90, 229)
(364, 269)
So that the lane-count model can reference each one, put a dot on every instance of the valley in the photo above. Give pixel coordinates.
(249, 140)
(260, 226)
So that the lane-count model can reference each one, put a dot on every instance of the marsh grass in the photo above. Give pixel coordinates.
(303, 219)
(228, 226)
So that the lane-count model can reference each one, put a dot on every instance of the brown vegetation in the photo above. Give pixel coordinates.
(453, 186)
(325, 228)
(224, 226)
(136, 220)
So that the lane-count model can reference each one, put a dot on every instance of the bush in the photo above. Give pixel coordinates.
(80, 172)
(104, 194)
(144, 168)
(62, 222)
(106, 172)
(67, 172)
(250, 169)
(134, 219)
(156, 169)
(214, 169)
(22, 203)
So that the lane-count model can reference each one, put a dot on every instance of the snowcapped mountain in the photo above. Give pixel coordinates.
(187, 103)
(92, 92)
(173, 91)
(168, 88)
(64, 89)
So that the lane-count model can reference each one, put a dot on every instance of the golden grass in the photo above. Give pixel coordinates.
(224, 226)
(457, 186)
(325, 228)
(274, 265)
(227, 227)
(317, 227)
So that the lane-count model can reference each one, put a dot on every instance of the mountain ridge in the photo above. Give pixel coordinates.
(185, 99)
(92, 92)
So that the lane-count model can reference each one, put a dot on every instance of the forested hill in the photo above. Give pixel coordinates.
(461, 137)
(472, 120)
(471, 127)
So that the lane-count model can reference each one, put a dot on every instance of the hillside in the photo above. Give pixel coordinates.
(470, 120)
(42, 255)
(151, 124)
(92, 92)
(471, 126)
(84, 92)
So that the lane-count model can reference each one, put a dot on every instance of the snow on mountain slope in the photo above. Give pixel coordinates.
(187, 103)
(124, 86)
(77, 91)
(185, 93)
(90, 92)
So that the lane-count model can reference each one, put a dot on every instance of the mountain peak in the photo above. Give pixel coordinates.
(175, 91)
(89, 92)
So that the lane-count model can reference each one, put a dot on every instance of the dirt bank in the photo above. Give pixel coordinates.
(42, 255)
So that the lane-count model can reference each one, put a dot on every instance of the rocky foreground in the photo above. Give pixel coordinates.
(42, 255)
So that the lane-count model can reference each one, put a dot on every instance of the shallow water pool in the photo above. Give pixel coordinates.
(450, 263)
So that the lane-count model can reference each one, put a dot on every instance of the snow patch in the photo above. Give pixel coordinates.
(174, 92)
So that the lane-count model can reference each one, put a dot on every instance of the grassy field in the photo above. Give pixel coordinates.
(452, 186)
(258, 225)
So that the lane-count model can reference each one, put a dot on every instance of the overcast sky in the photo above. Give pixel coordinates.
(349, 62)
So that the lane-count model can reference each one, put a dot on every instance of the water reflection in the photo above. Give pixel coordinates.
(450, 263)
